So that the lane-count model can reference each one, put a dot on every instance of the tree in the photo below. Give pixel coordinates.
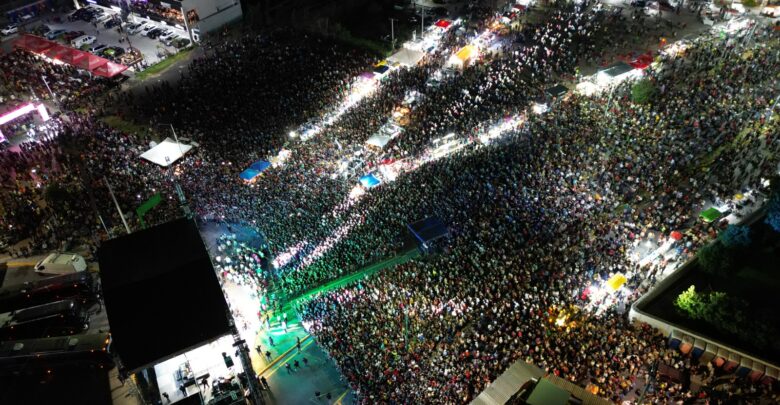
(690, 302)
(642, 91)
(773, 206)
(715, 258)
(773, 220)
(735, 236)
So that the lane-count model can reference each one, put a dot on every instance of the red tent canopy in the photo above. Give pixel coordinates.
(643, 61)
(56, 51)
(110, 69)
(80, 59)
(33, 43)
(443, 24)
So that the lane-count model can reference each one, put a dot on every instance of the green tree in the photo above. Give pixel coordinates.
(691, 303)
(735, 236)
(642, 91)
(715, 258)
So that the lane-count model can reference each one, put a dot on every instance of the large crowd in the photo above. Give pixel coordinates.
(535, 217)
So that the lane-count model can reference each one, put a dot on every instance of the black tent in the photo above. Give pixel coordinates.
(557, 91)
(161, 292)
(427, 231)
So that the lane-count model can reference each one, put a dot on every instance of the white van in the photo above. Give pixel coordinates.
(61, 263)
(83, 40)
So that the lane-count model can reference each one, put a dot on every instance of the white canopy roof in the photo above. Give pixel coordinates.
(166, 152)
(378, 140)
(406, 56)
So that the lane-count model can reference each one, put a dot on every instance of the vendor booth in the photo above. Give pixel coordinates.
(406, 57)
(464, 57)
(254, 171)
(370, 181)
(166, 152)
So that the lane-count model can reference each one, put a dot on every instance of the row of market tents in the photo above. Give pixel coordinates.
(75, 57)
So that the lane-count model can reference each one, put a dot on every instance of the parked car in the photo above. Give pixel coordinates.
(97, 15)
(113, 22)
(113, 52)
(167, 36)
(10, 29)
(83, 40)
(103, 18)
(134, 28)
(146, 29)
(71, 35)
(97, 49)
(26, 17)
(41, 29)
(180, 42)
(153, 34)
(52, 35)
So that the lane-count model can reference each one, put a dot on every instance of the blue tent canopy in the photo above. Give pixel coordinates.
(369, 181)
(249, 174)
(255, 170)
(260, 165)
(381, 69)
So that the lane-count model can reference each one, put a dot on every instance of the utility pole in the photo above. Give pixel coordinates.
(392, 32)
(121, 215)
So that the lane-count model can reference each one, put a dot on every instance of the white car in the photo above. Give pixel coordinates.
(135, 28)
(10, 29)
(167, 37)
(145, 30)
(83, 40)
(102, 19)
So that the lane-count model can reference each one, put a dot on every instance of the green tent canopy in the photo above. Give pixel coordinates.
(710, 214)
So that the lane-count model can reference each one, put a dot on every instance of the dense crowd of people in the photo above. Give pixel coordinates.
(535, 218)
(534, 223)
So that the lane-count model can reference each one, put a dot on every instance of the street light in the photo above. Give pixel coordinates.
(392, 32)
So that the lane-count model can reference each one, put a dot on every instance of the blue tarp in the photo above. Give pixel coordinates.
(255, 170)
(369, 181)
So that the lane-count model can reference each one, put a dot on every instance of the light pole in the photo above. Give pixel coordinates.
(392, 32)
(422, 21)
(177, 187)
(48, 88)
(121, 215)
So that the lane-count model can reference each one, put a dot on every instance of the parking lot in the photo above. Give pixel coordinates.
(152, 50)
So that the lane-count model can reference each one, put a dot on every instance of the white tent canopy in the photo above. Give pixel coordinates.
(166, 152)
(406, 57)
(378, 141)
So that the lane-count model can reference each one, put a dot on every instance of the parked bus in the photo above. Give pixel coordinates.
(33, 356)
(77, 286)
(66, 317)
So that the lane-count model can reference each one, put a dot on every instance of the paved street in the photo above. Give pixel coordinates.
(298, 386)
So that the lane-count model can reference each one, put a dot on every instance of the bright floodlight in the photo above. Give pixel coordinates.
(293, 134)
